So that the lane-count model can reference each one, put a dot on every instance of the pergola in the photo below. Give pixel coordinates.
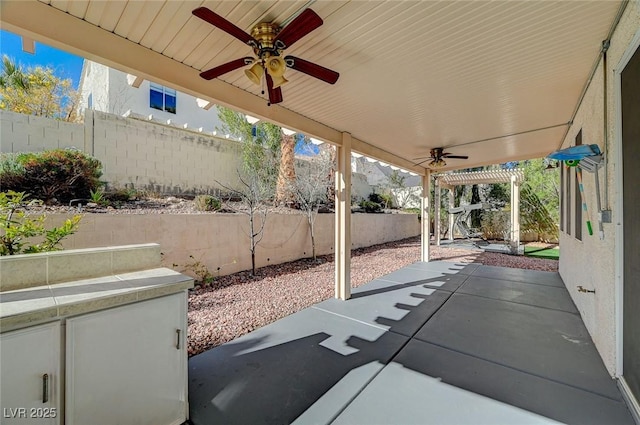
(450, 180)
(496, 81)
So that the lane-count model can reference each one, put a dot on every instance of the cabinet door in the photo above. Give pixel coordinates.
(30, 370)
(128, 365)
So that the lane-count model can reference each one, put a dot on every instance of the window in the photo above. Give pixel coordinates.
(577, 197)
(162, 98)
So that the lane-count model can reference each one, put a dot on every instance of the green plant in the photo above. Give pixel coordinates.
(120, 195)
(97, 196)
(207, 203)
(60, 174)
(203, 275)
(37, 91)
(495, 224)
(17, 227)
(417, 211)
(370, 206)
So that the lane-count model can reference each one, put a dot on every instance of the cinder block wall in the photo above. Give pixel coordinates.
(28, 133)
(146, 155)
(134, 153)
(138, 153)
(221, 241)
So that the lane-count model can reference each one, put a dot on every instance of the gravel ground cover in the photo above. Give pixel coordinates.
(237, 304)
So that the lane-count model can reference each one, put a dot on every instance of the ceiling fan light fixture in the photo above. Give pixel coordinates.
(255, 73)
(276, 67)
(438, 163)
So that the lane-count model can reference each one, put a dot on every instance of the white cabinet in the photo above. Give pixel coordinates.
(30, 370)
(128, 365)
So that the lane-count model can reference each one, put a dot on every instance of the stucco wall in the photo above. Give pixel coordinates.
(591, 262)
(221, 240)
(111, 93)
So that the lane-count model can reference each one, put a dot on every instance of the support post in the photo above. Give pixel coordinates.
(425, 223)
(452, 204)
(436, 225)
(515, 212)
(342, 249)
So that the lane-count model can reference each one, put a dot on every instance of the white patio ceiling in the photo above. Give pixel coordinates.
(497, 81)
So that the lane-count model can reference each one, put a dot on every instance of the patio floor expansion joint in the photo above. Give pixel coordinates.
(519, 303)
(350, 318)
(517, 370)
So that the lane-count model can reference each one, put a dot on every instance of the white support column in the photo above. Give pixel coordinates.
(425, 227)
(342, 249)
(515, 212)
(452, 204)
(436, 199)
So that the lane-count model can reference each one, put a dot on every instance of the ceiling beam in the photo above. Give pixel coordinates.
(49, 25)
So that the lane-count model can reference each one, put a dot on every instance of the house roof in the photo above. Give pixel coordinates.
(497, 81)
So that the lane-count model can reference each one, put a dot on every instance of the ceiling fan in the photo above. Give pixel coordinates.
(436, 158)
(269, 41)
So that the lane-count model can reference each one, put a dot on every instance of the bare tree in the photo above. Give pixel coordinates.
(311, 188)
(253, 193)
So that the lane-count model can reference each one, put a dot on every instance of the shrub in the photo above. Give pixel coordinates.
(17, 227)
(370, 206)
(207, 203)
(59, 174)
(495, 224)
(384, 199)
(120, 195)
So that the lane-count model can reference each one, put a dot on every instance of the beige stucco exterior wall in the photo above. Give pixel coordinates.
(591, 262)
(222, 241)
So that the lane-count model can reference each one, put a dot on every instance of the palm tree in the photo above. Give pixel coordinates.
(13, 76)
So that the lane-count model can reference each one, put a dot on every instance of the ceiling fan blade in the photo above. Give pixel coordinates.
(302, 25)
(455, 156)
(226, 26)
(424, 160)
(310, 68)
(275, 95)
(224, 68)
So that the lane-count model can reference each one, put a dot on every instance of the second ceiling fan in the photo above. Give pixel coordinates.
(436, 158)
(269, 41)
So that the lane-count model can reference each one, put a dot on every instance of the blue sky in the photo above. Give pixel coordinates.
(65, 65)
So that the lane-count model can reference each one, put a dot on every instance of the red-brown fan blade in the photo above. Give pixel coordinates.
(226, 26)
(224, 68)
(302, 25)
(310, 68)
(275, 95)
(446, 155)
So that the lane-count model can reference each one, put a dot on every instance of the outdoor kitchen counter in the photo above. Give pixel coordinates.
(44, 287)
(26, 307)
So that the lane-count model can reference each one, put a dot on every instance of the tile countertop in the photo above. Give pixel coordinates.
(26, 307)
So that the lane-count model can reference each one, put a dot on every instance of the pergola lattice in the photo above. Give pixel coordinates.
(450, 180)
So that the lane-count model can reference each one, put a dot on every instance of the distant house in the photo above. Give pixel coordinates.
(108, 90)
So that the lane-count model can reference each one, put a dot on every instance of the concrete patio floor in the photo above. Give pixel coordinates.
(432, 343)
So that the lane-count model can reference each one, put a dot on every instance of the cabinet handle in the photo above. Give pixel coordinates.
(45, 388)
(177, 339)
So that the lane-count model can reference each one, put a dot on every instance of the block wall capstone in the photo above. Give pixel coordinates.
(221, 241)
